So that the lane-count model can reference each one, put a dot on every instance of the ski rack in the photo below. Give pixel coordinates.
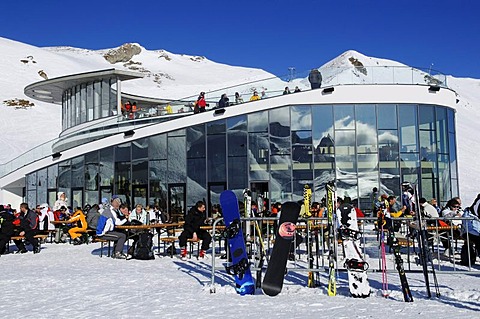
(408, 246)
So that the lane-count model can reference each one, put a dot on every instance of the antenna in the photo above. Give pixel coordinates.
(291, 73)
(430, 69)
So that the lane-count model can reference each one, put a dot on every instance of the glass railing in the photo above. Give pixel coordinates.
(265, 88)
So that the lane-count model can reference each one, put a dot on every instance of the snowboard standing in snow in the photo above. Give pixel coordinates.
(240, 267)
(273, 281)
(354, 261)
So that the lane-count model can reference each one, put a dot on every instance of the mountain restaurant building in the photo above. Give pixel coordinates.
(377, 132)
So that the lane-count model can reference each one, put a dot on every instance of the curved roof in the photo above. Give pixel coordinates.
(52, 90)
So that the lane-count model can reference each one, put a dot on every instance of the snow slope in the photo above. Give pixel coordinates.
(66, 281)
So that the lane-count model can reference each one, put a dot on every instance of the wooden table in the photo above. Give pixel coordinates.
(129, 228)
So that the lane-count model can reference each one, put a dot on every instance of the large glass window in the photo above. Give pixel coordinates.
(258, 122)
(77, 172)
(196, 142)
(259, 155)
(106, 168)
(216, 154)
(177, 155)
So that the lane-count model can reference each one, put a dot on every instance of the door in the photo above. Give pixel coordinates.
(139, 195)
(214, 191)
(176, 202)
(260, 195)
(77, 198)
(106, 192)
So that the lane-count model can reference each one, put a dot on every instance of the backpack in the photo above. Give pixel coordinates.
(464, 255)
(144, 247)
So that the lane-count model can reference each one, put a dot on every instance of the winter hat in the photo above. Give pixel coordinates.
(104, 201)
(60, 194)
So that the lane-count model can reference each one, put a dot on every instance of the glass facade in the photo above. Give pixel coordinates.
(361, 146)
(89, 101)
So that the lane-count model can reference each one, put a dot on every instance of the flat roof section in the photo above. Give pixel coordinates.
(52, 90)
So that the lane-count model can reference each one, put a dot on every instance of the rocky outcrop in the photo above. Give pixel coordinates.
(123, 53)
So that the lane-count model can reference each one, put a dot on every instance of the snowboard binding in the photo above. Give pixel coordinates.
(353, 264)
(238, 269)
(232, 230)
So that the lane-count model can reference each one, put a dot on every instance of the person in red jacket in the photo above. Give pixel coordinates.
(200, 104)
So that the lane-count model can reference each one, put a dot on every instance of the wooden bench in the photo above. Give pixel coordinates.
(191, 242)
(103, 242)
(171, 241)
(40, 238)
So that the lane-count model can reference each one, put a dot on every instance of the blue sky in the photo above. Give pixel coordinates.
(271, 35)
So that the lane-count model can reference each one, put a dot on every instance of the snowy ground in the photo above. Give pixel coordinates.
(73, 281)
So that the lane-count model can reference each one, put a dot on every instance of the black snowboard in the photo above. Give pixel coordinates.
(273, 281)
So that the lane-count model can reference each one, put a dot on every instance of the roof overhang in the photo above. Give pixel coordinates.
(52, 90)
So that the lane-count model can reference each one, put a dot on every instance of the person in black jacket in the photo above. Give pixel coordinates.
(191, 229)
(223, 101)
(6, 228)
(28, 228)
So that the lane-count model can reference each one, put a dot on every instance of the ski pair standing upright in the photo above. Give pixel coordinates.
(260, 255)
(382, 225)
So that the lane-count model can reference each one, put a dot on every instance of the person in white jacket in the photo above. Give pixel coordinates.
(61, 201)
(45, 217)
(107, 222)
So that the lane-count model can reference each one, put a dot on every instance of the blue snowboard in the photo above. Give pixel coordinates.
(240, 266)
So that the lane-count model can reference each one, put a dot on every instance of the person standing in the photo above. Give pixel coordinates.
(315, 79)
(201, 104)
(195, 218)
(223, 101)
(238, 98)
(255, 96)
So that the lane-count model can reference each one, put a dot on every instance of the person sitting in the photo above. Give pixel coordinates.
(106, 227)
(191, 229)
(139, 214)
(255, 96)
(286, 91)
(6, 229)
(28, 228)
(61, 230)
(297, 89)
(92, 216)
(81, 228)
(452, 209)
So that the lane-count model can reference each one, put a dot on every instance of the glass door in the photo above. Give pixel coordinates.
(176, 202)
(214, 190)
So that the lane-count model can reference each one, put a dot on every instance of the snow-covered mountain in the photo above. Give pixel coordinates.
(174, 76)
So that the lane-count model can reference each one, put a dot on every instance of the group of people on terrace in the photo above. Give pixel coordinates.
(448, 217)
